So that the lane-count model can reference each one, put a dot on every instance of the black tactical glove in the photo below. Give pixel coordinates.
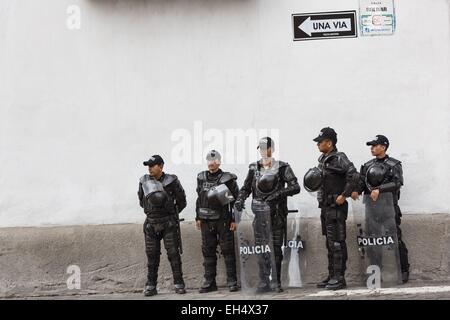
(273, 197)
(239, 205)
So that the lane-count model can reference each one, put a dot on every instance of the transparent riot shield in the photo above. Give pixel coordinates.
(293, 263)
(377, 241)
(256, 253)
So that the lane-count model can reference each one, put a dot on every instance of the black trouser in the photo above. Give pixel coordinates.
(403, 251)
(278, 234)
(333, 219)
(154, 233)
(217, 232)
(269, 229)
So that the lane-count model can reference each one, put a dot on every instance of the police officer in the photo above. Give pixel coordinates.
(386, 175)
(217, 191)
(163, 198)
(338, 179)
(270, 181)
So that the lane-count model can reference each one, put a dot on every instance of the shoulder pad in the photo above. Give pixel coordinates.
(201, 175)
(392, 162)
(169, 178)
(283, 164)
(340, 154)
(368, 163)
(227, 176)
(253, 166)
(144, 178)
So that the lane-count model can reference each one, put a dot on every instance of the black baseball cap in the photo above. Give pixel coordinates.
(265, 143)
(326, 133)
(379, 139)
(155, 159)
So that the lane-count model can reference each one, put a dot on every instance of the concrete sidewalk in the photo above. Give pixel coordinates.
(412, 291)
(33, 261)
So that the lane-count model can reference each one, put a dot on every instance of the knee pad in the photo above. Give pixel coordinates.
(227, 249)
(173, 254)
(152, 248)
(337, 247)
(277, 237)
(209, 250)
(278, 252)
(207, 261)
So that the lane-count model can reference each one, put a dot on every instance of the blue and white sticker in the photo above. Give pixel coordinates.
(377, 17)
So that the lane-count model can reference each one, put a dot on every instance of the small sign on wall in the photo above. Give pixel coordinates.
(324, 25)
(376, 17)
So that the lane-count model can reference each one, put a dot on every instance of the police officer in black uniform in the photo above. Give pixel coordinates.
(337, 178)
(217, 191)
(384, 174)
(163, 198)
(270, 181)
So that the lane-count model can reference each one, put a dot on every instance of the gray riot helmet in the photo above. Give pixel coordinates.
(219, 195)
(312, 179)
(375, 176)
(267, 182)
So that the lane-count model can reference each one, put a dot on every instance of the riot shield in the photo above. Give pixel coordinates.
(256, 253)
(377, 241)
(293, 248)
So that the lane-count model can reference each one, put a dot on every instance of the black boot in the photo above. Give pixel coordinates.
(405, 276)
(232, 285)
(180, 287)
(233, 288)
(277, 287)
(208, 286)
(337, 280)
(230, 264)
(322, 284)
(263, 287)
(150, 290)
(336, 283)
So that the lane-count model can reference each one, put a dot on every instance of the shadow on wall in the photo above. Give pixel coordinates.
(190, 3)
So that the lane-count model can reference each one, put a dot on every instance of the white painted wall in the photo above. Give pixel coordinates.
(80, 110)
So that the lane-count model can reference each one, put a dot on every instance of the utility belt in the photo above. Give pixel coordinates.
(211, 214)
(168, 207)
(329, 201)
(160, 217)
(331, 210)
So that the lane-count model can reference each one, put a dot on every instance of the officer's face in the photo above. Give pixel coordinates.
(155, 170)
(325, 146)
(377, 150)
(213, 165)
(265, 153)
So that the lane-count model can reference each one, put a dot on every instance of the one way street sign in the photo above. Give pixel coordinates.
(324, 25)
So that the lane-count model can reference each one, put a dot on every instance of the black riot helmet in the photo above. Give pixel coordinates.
(267, 183)
(157, 199)
(219, 196)
(375, 176)
(312, 179)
